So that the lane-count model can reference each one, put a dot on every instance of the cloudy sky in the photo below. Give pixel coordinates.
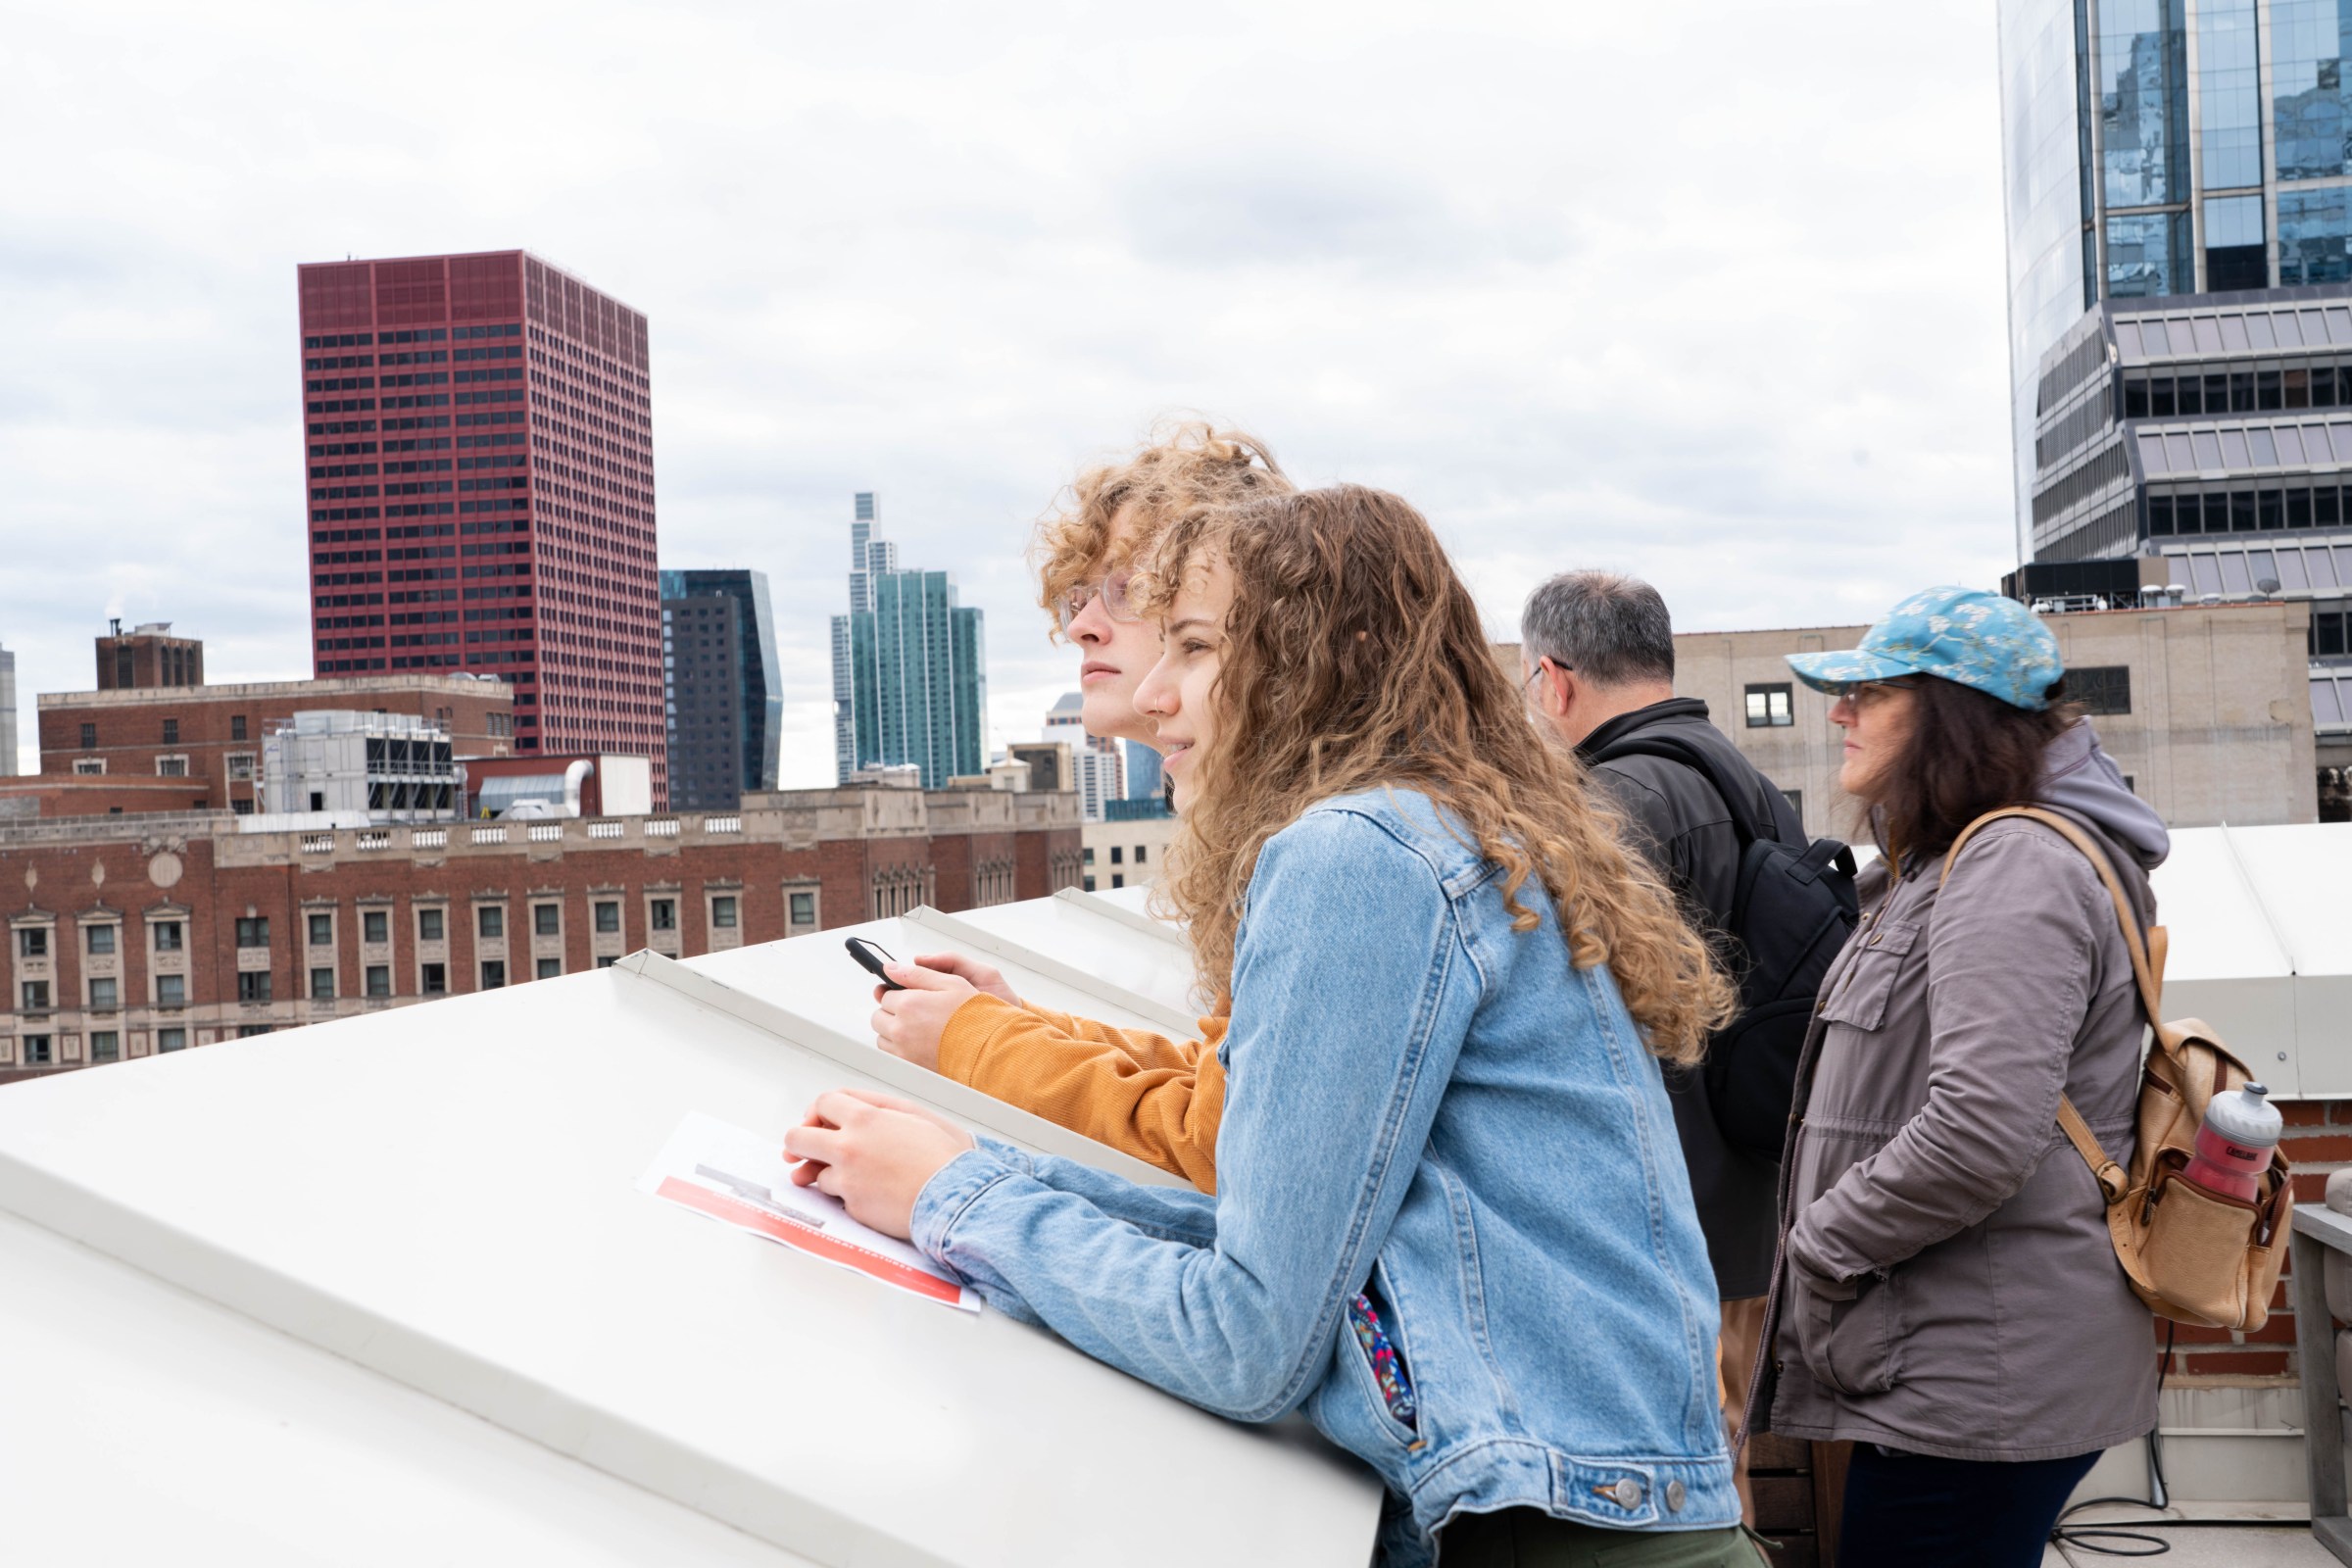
(1704, 289)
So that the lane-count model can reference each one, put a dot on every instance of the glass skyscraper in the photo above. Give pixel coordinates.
(723, 692)
(909, 683)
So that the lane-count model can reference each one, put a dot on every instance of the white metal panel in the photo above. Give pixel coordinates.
(815, 977)
(146, 1426)
(1119, 945)
(447, 1196)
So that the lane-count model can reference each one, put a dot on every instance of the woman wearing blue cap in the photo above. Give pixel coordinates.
(1947, 1295)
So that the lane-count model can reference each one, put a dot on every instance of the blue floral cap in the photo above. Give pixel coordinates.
(1962, 634)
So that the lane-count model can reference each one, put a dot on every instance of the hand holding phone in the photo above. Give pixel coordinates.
(871, 957)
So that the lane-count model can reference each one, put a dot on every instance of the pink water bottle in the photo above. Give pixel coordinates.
(2234, 1143)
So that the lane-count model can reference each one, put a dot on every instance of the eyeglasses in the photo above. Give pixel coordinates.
(1113, 590)
(1863, 692)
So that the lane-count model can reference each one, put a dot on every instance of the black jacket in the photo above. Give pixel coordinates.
(1686, 831)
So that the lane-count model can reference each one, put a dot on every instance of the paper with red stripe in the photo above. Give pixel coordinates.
(740, 1177)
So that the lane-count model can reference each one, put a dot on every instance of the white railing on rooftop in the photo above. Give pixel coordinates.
(604, 830)
(318, 844)
(661, 827)
(546, 832)
(429, 838)
(489, 835)
(375, 841)
(722, 824)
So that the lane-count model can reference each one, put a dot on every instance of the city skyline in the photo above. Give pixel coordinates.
(1014, 251)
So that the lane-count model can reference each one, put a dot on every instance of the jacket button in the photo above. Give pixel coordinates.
(1676, 1496)
(1627, 1494)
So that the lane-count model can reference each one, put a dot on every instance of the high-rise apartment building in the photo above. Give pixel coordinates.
(1144, 776)
(1097, 760)
(478, 438)
(8, 713)
(725, 694)
(909, 686)
(2180, 212)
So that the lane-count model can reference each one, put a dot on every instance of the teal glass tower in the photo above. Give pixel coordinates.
(910, 680)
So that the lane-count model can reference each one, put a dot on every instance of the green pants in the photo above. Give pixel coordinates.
(1527, 1537)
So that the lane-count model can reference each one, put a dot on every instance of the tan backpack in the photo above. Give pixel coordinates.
(2194, 1257)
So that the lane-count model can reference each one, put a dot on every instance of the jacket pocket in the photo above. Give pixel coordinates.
(1860, 997)
(1374, 1340)
(1851, 1347)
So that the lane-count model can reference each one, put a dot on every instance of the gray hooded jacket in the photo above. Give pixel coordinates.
(1946, 1282)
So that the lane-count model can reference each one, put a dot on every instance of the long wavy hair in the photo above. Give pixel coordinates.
(1354, 658)
(1184, 464)
(1966, 754)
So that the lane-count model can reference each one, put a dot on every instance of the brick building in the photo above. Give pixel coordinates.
(126, 936)
(148, 655)
(211, 736)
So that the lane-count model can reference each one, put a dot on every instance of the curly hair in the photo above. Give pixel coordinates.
(1354, 658)
(1184, 465)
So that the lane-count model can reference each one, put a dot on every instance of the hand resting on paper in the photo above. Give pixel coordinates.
(908, 1023)
(873, 1152)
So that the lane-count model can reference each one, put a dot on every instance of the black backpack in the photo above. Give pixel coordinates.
(1789, 917)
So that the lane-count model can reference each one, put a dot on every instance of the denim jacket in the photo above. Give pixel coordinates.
(1428, 1108)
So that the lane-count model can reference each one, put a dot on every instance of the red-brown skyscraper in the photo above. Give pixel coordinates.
(480, 455)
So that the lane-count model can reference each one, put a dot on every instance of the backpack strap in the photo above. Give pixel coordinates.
(1673, 749)
(2146, 970)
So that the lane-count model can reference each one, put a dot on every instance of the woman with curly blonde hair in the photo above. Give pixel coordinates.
(1156, 1097)
(1451, 1221)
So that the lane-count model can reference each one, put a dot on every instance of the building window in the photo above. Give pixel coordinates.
(547, 919)
(236, 728)
(171, 990)
(1797, 802)
(490, 921)
(550, 968)
(89, 767)
(35, 995)
(1118, 854)
(253, 931)
(171, 1039)
(89, 736)
(1117, 880)
(254, 1031)
(664, 915)
(2101, 688)
(379, 980)
(105, 1045)
(1768, 707)
(1087, 856)
(322, 930)
(253, 985)
(430, 926)
(804, 913)
(103, 993)
(241, 767)
(494, 973)
(32, 944)
(722, 912)
(608, 916)
(605, 960)
(99, 940)
(170, 936)
(322, 985)
(376, 926)
(1089, 884)
(174, 766)
(1141, 851)
(171, 732)
(433, 979)
(37, 1051)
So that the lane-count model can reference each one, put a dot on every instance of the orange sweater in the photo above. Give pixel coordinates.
(1142, 1094)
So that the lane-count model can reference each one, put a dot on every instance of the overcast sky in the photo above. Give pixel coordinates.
(1704, 289)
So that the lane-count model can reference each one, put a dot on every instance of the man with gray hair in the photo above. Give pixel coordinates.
(1597, 657)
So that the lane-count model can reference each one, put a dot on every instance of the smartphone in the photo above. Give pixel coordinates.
(871, 957)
